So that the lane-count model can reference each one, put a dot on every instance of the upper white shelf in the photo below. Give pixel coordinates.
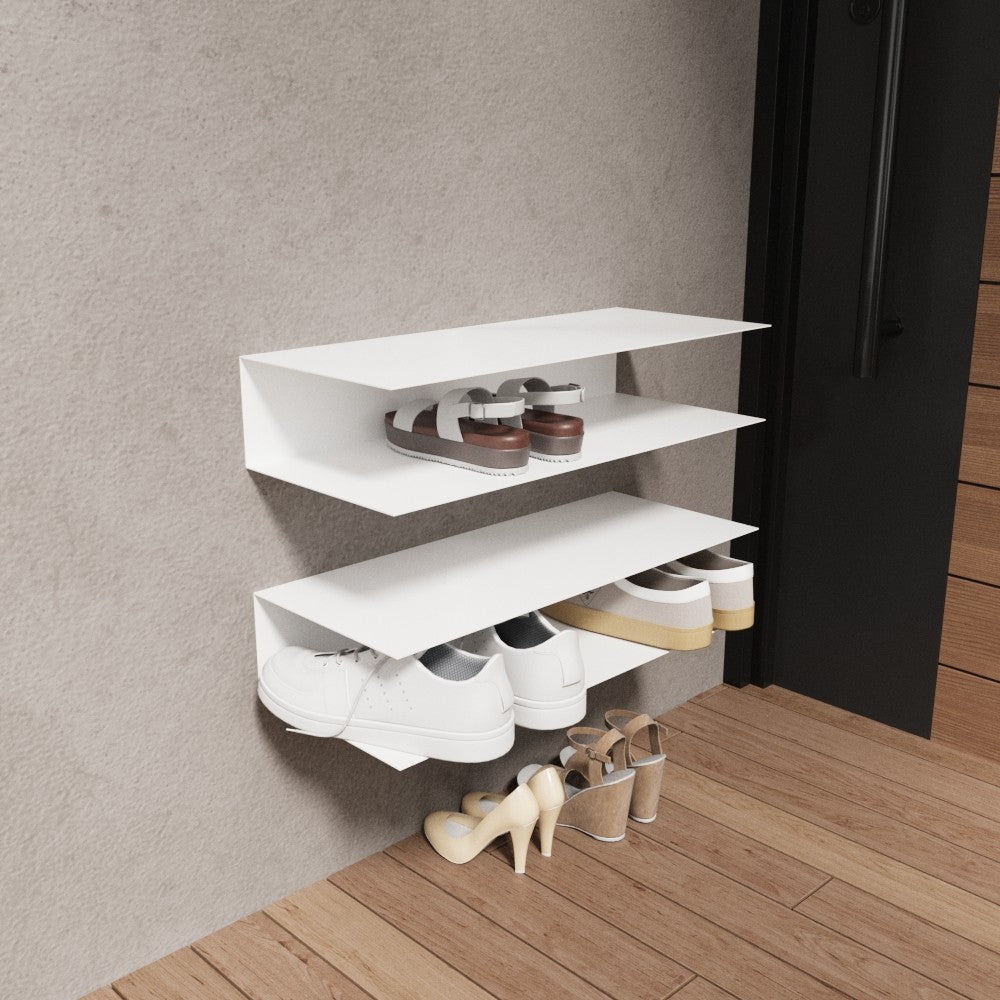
(314, 416)
(407, 601)
(417, 359)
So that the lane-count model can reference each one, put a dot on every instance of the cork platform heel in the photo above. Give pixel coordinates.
(597, 802)
(647, 765)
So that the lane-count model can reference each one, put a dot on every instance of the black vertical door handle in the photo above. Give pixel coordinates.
(873, 252)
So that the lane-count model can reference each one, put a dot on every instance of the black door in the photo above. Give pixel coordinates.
(854, 481)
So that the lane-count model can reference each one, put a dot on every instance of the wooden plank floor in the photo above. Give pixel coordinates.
(799, 851)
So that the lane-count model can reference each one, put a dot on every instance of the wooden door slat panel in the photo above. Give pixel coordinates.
(991, 242)
(967, 713)
(975, 545)
(981, 440)
(970, 639)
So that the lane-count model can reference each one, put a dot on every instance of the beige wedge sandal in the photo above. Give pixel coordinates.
(597, 802)
(547, 787)
(459, 838)
(647, 764)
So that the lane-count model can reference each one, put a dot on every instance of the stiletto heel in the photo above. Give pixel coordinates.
(520, 837)
(546, 829)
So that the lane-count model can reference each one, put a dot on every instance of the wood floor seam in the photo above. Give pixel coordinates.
(242, 993)
(809, 895)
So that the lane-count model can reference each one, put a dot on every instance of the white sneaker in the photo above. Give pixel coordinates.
(544, 666)
(654, 607)
(446, 703)
(730, 581)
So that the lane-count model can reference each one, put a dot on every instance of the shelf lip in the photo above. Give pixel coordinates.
(617, 426)
(407, 601)
(415, 359)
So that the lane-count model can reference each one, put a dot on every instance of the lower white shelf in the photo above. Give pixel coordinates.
(405, 602)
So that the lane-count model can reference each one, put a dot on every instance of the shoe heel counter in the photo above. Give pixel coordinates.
(547, 787)
(567, 646)
(494, 675)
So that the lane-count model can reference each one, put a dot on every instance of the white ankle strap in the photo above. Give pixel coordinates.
(537, 393)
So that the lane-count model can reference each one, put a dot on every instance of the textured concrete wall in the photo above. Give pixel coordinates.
(185, 182)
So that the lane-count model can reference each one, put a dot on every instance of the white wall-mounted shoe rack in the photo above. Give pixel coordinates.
(314, 417)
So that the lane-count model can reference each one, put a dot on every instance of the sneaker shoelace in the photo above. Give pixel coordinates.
(378, 661)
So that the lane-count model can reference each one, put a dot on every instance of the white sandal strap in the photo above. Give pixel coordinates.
(536, 392)
(408, 413)
(477, 403)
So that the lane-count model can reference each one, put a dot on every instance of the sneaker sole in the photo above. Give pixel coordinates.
(734, 621)
(557, 716)
(462, 748)
(632, 629)
(550, 448)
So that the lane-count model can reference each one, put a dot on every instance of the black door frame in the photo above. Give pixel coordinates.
(777, 186)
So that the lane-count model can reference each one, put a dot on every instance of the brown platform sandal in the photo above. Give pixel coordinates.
(555, 437)
(462, 430)
(597, 802)
(648, 766)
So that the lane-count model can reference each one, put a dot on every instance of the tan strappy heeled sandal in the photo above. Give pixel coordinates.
(597, 802)
(648, 766)
(546, 785)
(459, 838)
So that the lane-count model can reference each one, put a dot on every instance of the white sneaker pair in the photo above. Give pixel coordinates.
(674, 606)
(450, 703)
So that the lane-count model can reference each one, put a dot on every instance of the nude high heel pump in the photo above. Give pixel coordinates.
(597, 802)
(546, 785)
(648, 765)
(458, 837)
